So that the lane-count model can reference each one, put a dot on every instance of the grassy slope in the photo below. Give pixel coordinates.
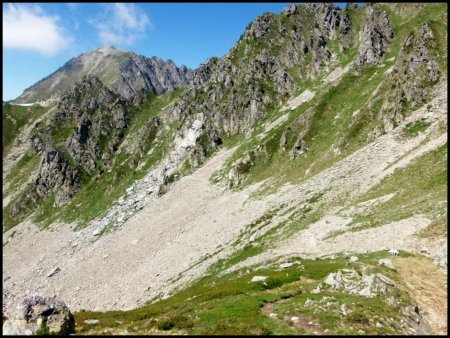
(14, 118)
(332, 121)
(421, 188)
(229, 304)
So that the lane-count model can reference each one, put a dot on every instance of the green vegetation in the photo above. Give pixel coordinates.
(231, 304)
(22, 171)
(413, 128)
(330, 122)
(15, 118)
(43, 331)
(433, 13)
(421, 189)
(329, 118)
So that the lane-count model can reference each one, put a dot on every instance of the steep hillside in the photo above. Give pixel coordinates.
(125, 73)
(90, 139)
(14, 118)
(260, 198)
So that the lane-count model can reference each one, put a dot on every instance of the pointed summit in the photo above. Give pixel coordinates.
(123, 72)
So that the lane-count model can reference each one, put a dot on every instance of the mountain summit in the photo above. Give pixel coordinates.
(123, 72)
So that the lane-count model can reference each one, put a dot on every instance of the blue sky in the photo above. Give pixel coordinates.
(40, 38)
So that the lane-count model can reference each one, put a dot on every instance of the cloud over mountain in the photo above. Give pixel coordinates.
(121, 24)
(29, 27)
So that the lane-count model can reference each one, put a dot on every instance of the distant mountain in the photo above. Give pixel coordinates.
(123, 72)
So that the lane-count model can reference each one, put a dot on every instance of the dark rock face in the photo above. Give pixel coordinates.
(328, 18)
(298, 148)
(56, 175)
(320, 52)
(284, 138)
(375, 38)
(37, 143)
(153, 74)
(99, 117)
(40, 315)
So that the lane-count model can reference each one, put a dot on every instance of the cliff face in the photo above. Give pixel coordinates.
(125, 73)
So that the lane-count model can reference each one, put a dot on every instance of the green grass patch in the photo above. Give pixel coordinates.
(231, 304)
(15, 118)
(414, 128)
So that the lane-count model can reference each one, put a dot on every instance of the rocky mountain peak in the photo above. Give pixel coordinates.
(106, 49)
(125, 73)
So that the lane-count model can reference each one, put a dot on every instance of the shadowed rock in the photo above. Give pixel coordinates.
(39, 315)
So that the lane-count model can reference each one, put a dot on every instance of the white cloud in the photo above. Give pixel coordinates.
(121, 24)
(26, 27)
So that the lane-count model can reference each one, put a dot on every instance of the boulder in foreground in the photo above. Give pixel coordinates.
(38, 315)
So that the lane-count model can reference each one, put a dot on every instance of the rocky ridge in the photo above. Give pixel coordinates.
(78, 139)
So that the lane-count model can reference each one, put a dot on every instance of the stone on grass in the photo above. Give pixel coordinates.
(286, 265)
(353, 259)
(387, 263)
(258, 278)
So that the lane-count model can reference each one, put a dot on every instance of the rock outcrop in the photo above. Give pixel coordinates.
(350, 281)
(99, 118)
(79, 139)
(57, 176)
(236, 90)
(414, 67)
(375, 37)
(39, 315)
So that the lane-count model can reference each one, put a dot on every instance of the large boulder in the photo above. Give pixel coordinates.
(39, 315)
